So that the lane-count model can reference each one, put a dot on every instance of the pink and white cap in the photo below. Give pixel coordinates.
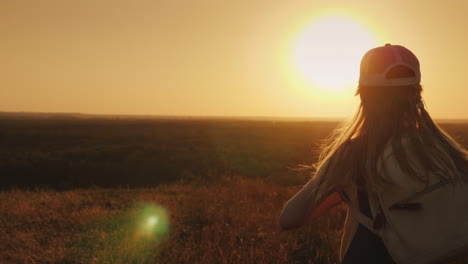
(378, 63)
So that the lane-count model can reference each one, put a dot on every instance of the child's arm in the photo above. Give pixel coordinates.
(298, 209)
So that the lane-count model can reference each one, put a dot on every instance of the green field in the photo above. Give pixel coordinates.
(80, 190)
(71, 153)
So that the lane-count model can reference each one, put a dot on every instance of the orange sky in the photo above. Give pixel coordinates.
(209, 57)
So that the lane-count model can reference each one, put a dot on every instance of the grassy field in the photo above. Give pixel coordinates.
(232, 221)
(160, 191)
(72, 153)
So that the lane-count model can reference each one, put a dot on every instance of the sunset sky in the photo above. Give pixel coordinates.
(218, 57)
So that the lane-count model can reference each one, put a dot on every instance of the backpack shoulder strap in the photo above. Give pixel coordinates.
(354, 210)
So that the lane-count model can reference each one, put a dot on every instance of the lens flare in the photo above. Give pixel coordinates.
(154, 222)
(131, 237)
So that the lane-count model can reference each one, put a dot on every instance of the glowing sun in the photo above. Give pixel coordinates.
(328, 52)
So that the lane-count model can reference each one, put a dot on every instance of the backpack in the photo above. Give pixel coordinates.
(419, 223)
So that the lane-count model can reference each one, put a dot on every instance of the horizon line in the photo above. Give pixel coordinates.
(196, 117)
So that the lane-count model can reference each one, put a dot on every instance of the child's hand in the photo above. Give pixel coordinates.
(329, 202)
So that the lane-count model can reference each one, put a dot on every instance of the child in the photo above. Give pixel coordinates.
(391, 122)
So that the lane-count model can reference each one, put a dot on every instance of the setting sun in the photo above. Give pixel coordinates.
(328, 52)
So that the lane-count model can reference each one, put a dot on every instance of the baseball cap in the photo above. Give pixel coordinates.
(378, 64)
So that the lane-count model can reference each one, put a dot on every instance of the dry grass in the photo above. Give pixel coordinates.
(235, 221)
(231, 221)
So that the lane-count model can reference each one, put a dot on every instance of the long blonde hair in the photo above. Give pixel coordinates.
(387, 115)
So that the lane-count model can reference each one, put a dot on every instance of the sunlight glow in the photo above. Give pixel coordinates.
(329, 50)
